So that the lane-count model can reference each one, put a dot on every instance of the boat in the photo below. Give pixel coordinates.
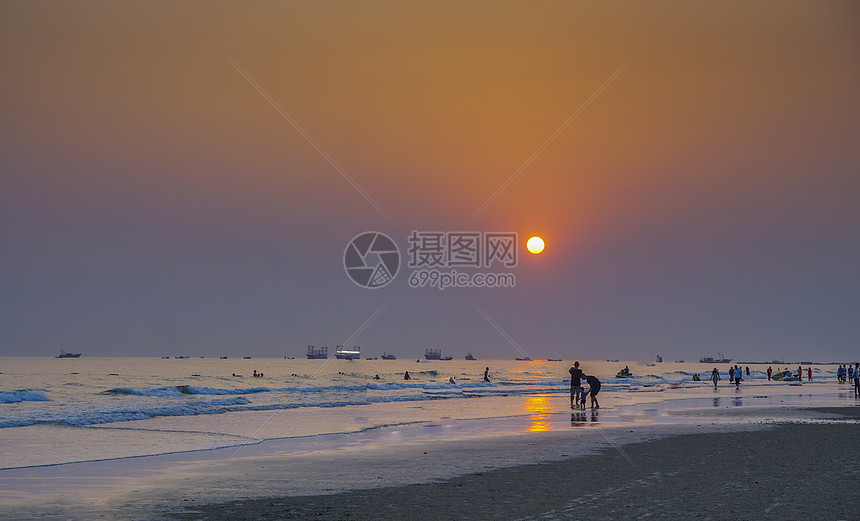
(64, 354)
(371, 358)
(786, 376)
(223, 358)
(624, 373)
(553, 359)
(180, 357)
(317, 353)
(711, 360)
(470, 356)
(388, 356)
(525, 359)
(246, 358)
(659, 359)
(343, 353)
(435, 354)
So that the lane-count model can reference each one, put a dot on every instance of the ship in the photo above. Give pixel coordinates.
(711, 360)
(470, 356)
(524, 359)
(64, 354)
(435, 354)
(343, 353)
(388, 356)
(317, 354)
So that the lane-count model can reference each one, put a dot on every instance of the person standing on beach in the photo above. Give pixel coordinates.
(715, 376)
(576, 377)
(809, 373)
(593, 389)
(731, 375)
(738, 378)
(487, 374)
(800, 373)
(857, 380)
(769, 372)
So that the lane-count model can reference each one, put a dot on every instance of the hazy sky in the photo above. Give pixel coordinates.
(153, 202)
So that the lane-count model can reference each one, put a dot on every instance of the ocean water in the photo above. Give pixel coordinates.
(55, 411)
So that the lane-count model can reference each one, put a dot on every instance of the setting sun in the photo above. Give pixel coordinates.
(535, 245)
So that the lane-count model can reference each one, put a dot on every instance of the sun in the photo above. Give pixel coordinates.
(535, 245)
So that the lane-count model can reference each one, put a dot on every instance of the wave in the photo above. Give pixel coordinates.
(23, 395)
(80, 416)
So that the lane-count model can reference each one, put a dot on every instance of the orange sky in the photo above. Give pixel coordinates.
(137, 159)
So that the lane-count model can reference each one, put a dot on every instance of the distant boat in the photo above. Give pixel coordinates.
(679, 361)
(223, 358)
(553, 359)
(246, 357)
(317, 354)
(180, 357)
(526, 359)
(659, 359)
(435, 354)
(470, 356)
(64, 354)
(344, 353)
(371, 358)
(388, 356)
(711, 360)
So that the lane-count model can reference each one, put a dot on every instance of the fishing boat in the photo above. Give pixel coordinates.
(524, 359)
(435, 354)
(470, 356)
(317, 353)
(711, 360)
(64, 354)
(343, 353)
(388, 356)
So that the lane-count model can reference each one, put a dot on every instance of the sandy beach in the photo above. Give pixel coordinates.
(765, 463)
(770, 472)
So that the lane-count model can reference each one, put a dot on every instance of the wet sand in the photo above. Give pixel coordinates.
(771, 472)
(741, 469)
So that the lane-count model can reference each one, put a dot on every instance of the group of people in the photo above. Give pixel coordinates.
(847, 373)
(450, 379)
(577, 394)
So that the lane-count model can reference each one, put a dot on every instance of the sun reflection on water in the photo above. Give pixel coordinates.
(537, 406)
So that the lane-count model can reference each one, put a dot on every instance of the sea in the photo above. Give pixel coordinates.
(57, 411)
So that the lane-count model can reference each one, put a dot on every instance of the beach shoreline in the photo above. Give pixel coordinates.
(588, 461)
(764, 471)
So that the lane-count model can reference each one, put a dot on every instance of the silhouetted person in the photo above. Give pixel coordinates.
(576, 377)
(487, 374)
(593, 389)
(406, 376)
(715, 377)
